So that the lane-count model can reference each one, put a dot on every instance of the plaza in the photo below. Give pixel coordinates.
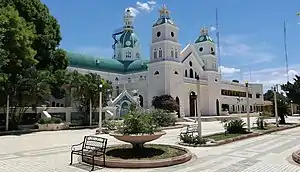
(50, 151)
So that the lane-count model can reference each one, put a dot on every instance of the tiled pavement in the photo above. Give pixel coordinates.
(49, 152)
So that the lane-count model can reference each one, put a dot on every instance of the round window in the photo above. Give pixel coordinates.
(201, 49)
(158, 34)
(172, 34)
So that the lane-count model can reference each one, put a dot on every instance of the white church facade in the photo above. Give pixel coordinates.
(169, 70)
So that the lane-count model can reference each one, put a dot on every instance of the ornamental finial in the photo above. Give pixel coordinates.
(204, 31)
(164, 12)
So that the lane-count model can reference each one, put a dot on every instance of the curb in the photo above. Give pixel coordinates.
(246, 136)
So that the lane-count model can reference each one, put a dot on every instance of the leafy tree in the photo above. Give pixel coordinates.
(282, 104)
(165, 102)
(85, 87)
(25, 85)
(47, 32)
(293, 90)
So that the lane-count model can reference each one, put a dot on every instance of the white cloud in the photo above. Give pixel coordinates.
(134, 11)
(212, 28)
(238, 46)
(228, 70)
(142, 7)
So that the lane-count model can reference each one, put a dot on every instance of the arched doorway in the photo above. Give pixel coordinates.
(141, 100)
(217, 107)
(193, 104)
(178, 102)
(124, 108)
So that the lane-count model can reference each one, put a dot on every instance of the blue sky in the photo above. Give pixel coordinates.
(251, 32)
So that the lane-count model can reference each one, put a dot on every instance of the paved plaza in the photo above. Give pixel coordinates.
(50, 152)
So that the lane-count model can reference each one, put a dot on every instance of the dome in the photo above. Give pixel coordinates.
(138, 65)
(128, 39)
(204, 38)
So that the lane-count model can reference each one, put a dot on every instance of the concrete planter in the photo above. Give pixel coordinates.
(174, 114)
(138, 140)
(53, 127)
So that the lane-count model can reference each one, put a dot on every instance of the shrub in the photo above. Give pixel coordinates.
(162, 118)
(50, 121)
(165, 102)
(112, 124)
(137, 122)
(235, 126)
(191, 139)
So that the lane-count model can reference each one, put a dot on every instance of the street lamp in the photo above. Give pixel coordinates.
(248, 106)
(100, 109)
(275, 88)
(292, 110)
(7, 113)
(199, 128)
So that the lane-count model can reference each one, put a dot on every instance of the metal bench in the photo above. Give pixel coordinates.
(92, 146)
(189, 129)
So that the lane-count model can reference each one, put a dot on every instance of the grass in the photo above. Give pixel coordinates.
(222, 136)
(149, 152)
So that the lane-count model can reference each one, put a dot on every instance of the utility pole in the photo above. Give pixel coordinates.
(275, 103)
(199, 127)
(248, 107)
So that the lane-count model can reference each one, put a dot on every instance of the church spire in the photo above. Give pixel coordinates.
(128, 20)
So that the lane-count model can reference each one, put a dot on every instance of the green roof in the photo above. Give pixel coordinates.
(204, 38)
(78, 60)
(128, 39)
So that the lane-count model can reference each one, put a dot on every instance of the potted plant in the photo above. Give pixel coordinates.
(138, 128)
(51, 124)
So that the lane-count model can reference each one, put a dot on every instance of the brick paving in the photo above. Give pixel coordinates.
(50, 152)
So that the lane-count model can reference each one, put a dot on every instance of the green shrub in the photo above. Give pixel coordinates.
(112, 124)
(162, 118)
(165, 102)
(138, 122)
(235, 126)
(191, 139)
(50, 121)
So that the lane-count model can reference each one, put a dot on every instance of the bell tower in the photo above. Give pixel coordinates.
(165, 70)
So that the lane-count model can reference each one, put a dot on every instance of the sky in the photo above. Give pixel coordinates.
(251, 32)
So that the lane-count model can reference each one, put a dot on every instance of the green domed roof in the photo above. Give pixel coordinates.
(204, 38)
(161, 21)
(78, 60)
(128, 39)
(138, 65)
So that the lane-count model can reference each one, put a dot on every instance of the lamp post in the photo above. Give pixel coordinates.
(199, 128)
(100, 109)
(275, 103)
(248, 106)
(7, 113)
(292, 110)
(91, 112)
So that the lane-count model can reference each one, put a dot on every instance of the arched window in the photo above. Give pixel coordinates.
(185, 73)
(117, 79)
(137, 55)
(172, 53)
(156, 73)
(191, 73)
(155, 54)
(129, 79)
(160, 53)
(141, 100)
(53, 104)
(176, 53)
(118, 90)
(57, 104)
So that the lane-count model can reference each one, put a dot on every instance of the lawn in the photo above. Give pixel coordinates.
(222, 136)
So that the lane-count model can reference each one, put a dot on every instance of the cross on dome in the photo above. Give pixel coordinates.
(164, 12)
(204, 31)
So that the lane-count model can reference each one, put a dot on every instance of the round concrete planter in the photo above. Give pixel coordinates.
(135, 163)
(296, 156)
(138, 140)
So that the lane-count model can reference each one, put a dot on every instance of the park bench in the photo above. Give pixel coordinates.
(91, 147)
(189, 129)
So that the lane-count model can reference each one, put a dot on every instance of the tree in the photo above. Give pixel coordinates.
(165, 102)
(47, 32)
(26, 86)
(85, 88)
(293, 90)
(282, 104)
